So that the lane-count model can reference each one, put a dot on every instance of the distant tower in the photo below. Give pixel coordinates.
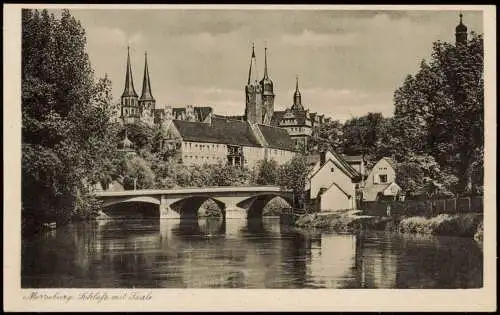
(129, 102)
(253, 91)
(461, 32)
(267, 94)
(146, 101)
(297, 98)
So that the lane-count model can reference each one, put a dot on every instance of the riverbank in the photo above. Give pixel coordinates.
(465, 225)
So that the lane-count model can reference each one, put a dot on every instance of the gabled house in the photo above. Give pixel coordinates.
(381, 182)
(332, 182)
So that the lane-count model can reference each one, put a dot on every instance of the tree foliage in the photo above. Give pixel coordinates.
(442, 107)
(66, 127)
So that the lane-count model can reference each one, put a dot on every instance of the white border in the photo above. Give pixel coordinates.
(244, 300)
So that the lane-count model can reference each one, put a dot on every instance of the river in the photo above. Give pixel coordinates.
(208, 253)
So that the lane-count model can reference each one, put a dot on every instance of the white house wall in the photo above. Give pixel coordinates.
(381, 168)
(325, 177)
(334, 199)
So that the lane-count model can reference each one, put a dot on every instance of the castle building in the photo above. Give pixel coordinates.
(222, 140)
(297, 120)
(196, 135)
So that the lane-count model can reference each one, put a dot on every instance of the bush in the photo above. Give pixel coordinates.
(275, 206)
(443, 224)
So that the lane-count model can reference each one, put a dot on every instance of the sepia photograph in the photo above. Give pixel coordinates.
(250, 148)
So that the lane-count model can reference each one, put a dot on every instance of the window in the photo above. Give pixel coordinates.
(332, 169)
(383, 178)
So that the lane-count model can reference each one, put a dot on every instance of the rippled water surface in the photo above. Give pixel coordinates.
(210, 253)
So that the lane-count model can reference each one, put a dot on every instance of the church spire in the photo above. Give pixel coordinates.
(297, 97)
(265, 63)
(252, 72)
(129, 90)
(146, 84)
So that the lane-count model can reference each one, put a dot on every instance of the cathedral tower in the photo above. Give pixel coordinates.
(253, 91)
(267, 94)
(129, 101)
(146, 101)
(461, 33)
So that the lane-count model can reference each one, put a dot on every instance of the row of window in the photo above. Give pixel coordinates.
(204, 146)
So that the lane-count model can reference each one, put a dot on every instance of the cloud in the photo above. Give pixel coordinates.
(311, 39)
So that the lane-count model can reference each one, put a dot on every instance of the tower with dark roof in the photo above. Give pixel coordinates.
(146, 101)
(461, 32)
(267, 94)
(253, 93)
(297, 97)
(129, 100)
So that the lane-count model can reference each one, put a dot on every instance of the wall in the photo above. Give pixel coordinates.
(325, 177)
(253, 155)
(382, 167)
(203, 153)
(280, 156)
(335, 199)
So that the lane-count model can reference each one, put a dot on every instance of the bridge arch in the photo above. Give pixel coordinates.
(188, 207)
(143, 206)
(256, 204)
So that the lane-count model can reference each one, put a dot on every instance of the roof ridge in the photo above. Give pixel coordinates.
(340, 188)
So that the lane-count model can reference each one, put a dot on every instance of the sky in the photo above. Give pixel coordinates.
(349, 63)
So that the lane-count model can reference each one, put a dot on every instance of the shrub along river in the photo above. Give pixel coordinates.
(211, 253)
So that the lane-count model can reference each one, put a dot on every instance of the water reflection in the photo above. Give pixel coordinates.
(259, 253)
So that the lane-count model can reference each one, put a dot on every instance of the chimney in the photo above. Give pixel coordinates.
(322, 157)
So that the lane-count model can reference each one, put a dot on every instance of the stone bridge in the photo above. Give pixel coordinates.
(234, 202)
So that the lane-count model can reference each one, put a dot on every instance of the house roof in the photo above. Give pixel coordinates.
(391, 162)
(277, 116)
(277, 138)
(220, 130)
(335, 184)
(237, 132)
(370, 192)
(353, 158)
(233, 117)
(351, 172)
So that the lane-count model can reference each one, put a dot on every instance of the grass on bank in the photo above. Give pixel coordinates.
(444, 224)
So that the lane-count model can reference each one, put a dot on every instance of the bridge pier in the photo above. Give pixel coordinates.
(166, 211)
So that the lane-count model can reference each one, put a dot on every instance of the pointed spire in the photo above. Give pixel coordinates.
(297, 85)
(146, 84)
(265, 62)
(129, 82)
(461, 16)
(297, 98)
(252, 72)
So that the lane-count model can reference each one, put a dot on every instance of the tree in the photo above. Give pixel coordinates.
(442, 107)
(65, 121)
(141, 135)
(136, 170)
(293, 175)
(267, 173)
(421, 174)
(327, 136)
(360, 134)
